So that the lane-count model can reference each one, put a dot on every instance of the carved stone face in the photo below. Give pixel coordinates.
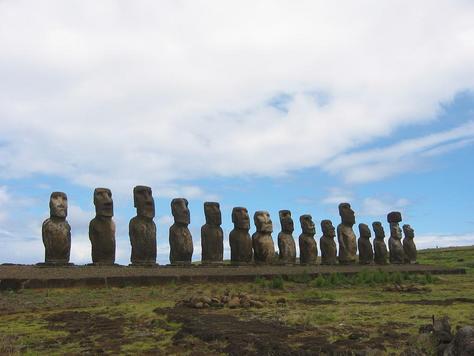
(395, 231)
(180, 211)
(262, 221)
(58, 205)
(240, 218)
(408, 231)
(213, 214)
(364, 231)
(378, 230)
(144, 202)
(347, 214)
(286, 221)
(104, 205)
(328, 229)
(307, 224)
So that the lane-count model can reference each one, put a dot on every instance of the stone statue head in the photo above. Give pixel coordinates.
(212, 211)
(58, 205)
(328, 228)
(180, 211)
(394, 217)
(378, 229)
(240, 218)
(286, 221)
(408, 231)
(262, 221)
(364, 231)
(347, 214)
(104, 205)
(143, 201)
(307, 224)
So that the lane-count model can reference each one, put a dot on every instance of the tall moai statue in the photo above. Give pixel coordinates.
(286, 243)
(56, 231)
(262, 241)
(142, 228)
(409, 246)
(181, 241)
(102, 228)
(239, 238)
(308, 247)
(380, 248)
(212, 236)
(395, 246)
(327, 243)
(346, 236)
(366, 252)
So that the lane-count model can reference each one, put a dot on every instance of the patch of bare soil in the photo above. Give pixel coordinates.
(233, 336)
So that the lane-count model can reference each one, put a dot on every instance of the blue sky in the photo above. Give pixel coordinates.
(264, 105)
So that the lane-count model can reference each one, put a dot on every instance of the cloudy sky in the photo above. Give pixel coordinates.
(265, 104)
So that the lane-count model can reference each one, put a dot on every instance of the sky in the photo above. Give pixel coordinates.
(264, 104)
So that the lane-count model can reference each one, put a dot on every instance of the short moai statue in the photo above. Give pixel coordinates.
(395, 247)
(142, 228)
(308, 246)
(409, 246)
(262, 241)
(380, 248)
(181, 241)
(327, 243)
(286, 243)
(366, 252)
(239, 238)
(102, 228)
(56, 231)
(212, 236)
(346, 236)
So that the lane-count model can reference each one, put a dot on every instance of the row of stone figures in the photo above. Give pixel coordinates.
(259, 248)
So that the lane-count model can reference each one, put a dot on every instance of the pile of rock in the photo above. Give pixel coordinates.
(239, 300)
(411, 288)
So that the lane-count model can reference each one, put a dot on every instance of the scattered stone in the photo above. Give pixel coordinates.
(281, 300)
(462, 344)
(407, 289)
(240, 300)
(234, 303)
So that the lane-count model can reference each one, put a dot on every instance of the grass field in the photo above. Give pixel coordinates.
(324, 315)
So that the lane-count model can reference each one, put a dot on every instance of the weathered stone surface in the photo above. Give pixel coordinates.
(102, 228)
(327, 243)
(380, 248)
(366, 252)
(409, 247)
(286, 242)
(239, 238)
(142, 228)
(346, 236)
(462, 343)
(56, 231)
(262, 241)
(212, 236)
(308, 247)
(396, 254)
(181, 241)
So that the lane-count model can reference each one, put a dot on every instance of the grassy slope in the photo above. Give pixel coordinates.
(123, 320)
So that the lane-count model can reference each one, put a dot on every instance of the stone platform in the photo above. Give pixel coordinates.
(27, 276)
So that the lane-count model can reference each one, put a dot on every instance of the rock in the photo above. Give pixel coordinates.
(462, 344)
(234, 303)
(281, 300)
(199, 305)
(256, 304)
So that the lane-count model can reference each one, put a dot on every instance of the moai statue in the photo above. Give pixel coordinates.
(239, 238)
(102, 228)
(346, 236)
(286, 243)
(366, 253)
(181, 241)
(262, 241)
(142, 228)
(380, 248)
(327, 243)
(409, 246)
(395, 246)
(56, 231)
(308, 247)
(212, 236)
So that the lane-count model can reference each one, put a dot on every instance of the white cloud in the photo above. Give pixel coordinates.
(372, 206)
(114, 93)
(444, 240)
(337, 195)
(379, 163)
